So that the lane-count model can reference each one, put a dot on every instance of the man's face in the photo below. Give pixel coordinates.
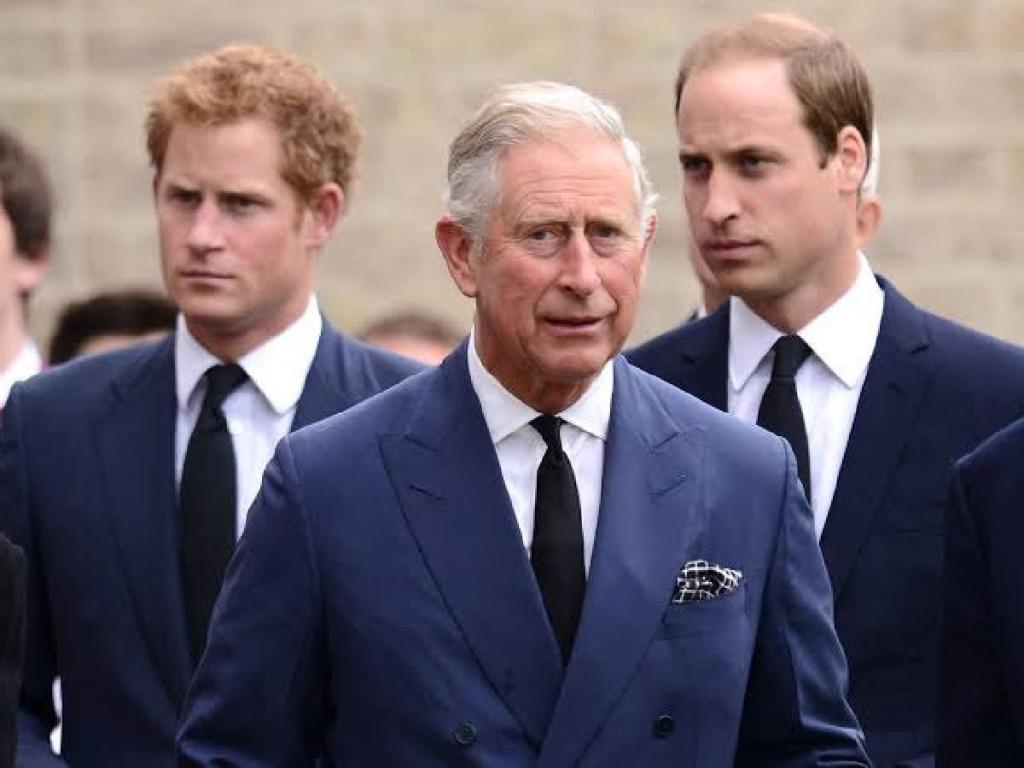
(557, 279)
(770, 221)
(238, 250)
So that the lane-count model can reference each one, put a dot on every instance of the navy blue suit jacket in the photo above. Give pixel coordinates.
(933, 391)
(87, 489)
(399, 622)
(981, 662)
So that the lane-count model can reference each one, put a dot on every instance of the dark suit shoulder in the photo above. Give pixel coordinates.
(366, 370)
(725, 435)
(74, 390)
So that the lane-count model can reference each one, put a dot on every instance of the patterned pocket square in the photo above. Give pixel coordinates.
(701, 580)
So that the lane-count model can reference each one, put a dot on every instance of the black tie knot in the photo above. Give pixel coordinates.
(547, 427)
(790, 353)
(221, 381)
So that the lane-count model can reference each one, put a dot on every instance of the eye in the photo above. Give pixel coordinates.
(236, 203)
(544, 239)
(752, 164)
(184, 197)
(694, 165)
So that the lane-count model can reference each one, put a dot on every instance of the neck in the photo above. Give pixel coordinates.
(13, 336)
(793, 310)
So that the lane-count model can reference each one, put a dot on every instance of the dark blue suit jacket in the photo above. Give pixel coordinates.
(933, 391)
(87, 489)
(399, 623)
(981, 662)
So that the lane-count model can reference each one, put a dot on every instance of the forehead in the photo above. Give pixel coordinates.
(576, 172)
(740, 101)
(244, 151)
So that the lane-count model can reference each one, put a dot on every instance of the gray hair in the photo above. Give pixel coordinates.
(517, 114)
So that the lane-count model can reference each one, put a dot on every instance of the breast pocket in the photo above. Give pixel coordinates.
(706, 616)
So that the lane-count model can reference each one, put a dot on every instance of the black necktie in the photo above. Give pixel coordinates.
(780, 409)
(208, 505)
(557, 552)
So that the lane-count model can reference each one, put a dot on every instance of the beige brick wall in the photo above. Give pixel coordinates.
(949, 78)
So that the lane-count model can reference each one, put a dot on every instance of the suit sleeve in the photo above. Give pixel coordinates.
(971, 718)
(257, 696)
(36, 717)
(796, 713)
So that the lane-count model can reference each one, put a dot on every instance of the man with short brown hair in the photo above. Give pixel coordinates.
(876, 396)
(127, 476)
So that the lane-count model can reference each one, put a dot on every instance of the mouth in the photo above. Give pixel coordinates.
(730, 249)
(574, 324)
(203, 275)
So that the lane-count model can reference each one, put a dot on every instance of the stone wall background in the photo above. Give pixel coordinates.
(948, 77)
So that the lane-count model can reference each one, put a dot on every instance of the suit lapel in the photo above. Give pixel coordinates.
(650, 513)
(448, 480)
(897, 379)
(324, 393)
(705, 364)
(136, 457)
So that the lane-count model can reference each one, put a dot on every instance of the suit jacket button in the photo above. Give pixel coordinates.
(663, 726)
(465, 734)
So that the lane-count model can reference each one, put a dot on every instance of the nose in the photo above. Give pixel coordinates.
(205, 233)
(579, 265)
(720, 204)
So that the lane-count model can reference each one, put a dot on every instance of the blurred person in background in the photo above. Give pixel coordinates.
(415, 334)
(25, 211)
(109, 321)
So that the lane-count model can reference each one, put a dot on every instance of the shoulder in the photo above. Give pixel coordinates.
(1000, 455)
(959, 350)
(725, 437)
(357, 429)
(79, 386)
(363, 365)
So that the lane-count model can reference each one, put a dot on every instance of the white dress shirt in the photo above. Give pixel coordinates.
(27, 364)
(520, 448)
(260, 412)
(828, 384)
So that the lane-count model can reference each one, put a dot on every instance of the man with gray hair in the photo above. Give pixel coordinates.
(534, 554)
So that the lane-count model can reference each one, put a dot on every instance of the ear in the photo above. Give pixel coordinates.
(869, 216)
(323, 212)
(851, 159)
(30, 271)
(649, 232)
(457, 249)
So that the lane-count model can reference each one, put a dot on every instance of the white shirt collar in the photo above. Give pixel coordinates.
(505, 414)
(27, 363)
(842, 337)
(277, 368)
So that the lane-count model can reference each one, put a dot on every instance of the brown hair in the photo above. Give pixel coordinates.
(319, 135)
(828, 80)
(25, 196)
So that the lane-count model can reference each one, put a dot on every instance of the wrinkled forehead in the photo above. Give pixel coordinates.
(571, 170)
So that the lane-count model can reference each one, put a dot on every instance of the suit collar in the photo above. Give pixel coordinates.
(326, 391)
(277, 368)
(650, 517)
(135, 439)
(705, 355)
(451, 491)
(898, 377)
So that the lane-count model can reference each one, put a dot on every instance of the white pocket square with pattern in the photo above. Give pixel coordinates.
(701, 580)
